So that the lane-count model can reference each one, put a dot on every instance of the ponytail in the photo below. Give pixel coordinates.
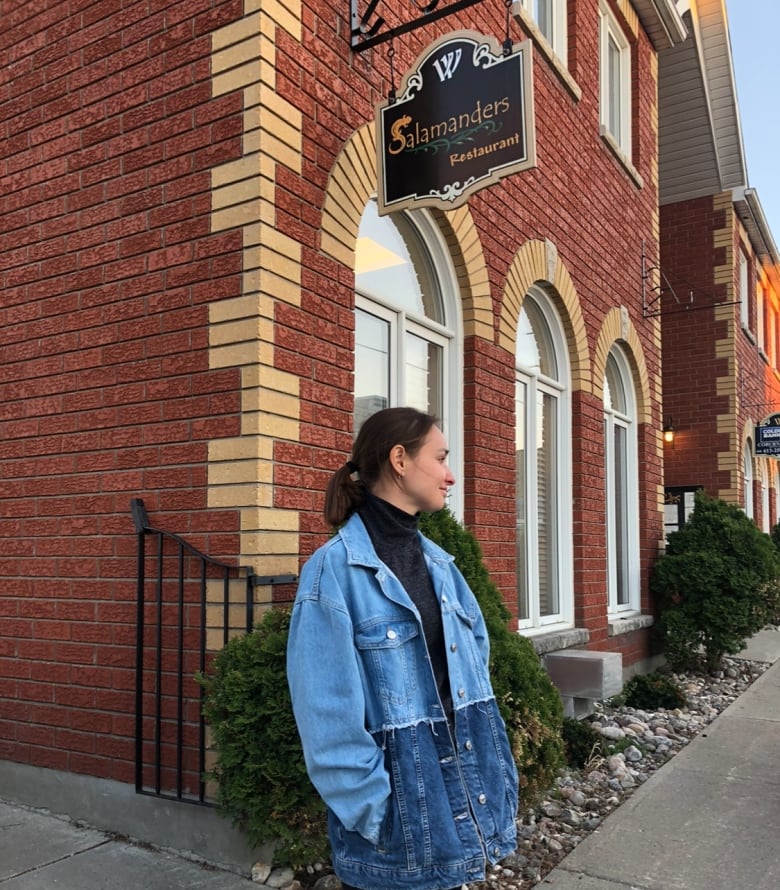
(343, 495)
(380, 433)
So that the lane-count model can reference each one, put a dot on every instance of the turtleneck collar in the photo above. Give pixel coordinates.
(386, 519)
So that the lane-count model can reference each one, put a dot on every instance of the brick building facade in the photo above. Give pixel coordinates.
(187, 207)
(718, 302)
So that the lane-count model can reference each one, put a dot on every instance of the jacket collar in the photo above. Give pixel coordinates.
(360, 550)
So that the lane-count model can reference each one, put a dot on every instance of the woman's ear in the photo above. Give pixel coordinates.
(398, 459)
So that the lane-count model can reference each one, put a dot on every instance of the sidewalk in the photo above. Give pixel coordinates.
(43, 852)
(710, 818)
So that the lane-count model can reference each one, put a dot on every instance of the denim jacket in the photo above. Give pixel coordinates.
(411, 804)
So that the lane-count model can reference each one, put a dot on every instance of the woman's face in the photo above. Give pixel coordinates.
(422, 480)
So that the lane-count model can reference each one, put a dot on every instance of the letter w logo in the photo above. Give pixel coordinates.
(447, 65)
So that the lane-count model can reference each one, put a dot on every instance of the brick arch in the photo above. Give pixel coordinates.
(618, 327)
(537, 262)
(351, 184)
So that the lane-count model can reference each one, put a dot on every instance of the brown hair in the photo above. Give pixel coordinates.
(370, 455)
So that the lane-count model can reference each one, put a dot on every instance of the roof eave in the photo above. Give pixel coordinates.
(662, 21)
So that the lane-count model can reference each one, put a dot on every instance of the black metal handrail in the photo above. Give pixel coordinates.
(164, 662)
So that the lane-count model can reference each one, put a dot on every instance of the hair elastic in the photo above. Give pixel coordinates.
(352, 467)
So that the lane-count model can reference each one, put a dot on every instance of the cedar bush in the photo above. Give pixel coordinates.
(714, 585)
(582, 743)
(529, 702)
(262, 781)
(649, 692)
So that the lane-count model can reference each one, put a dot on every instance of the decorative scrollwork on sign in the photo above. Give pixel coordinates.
(370, 25)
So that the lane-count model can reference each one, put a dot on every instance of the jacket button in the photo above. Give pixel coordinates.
(468, 746)
(453, 647)
(482, 798)
(391, 634)
(461, 692)
(496, 851)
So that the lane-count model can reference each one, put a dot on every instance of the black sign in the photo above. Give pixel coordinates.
(768, 436)
(463, 120)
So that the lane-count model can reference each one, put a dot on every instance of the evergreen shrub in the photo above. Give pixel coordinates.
(582, 743)
(262, 783)
(650, 692)
(713, 585)
(529, 702)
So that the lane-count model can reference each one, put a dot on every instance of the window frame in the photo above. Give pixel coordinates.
(609, 28)
(558, 41)
(625, 420)
(747, 482)
(447, 335)
(744, 290)
(559, 389)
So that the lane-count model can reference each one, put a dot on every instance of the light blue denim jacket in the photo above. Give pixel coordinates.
(409, 804)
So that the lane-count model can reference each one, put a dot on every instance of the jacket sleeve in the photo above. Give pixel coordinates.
(344, 763)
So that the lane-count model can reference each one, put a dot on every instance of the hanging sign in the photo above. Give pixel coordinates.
(768, 436)
(463, 120)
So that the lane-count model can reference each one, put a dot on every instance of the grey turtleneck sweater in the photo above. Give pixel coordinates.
(393, 533)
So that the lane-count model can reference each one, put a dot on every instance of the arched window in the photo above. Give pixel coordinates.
(765, 519)
(406, 318)
(776, 489)
(747, 466)
(543, 467)
(622, 485)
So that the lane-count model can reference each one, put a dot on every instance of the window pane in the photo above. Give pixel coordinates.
(521, 495)
(547, 498)
(613, 87)
(392, 263)
(423, 364)
(535, 351)
(543, 15)
(372, 365)
(620, 507)
(614, 390)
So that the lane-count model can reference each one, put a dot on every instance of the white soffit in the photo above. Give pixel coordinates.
(662, 22)
(699, 133)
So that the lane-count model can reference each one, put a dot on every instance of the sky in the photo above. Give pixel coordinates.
(754, 26)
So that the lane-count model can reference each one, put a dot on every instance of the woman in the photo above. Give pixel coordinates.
(388, 671)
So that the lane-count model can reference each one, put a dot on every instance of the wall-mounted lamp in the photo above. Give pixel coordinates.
(668, 431)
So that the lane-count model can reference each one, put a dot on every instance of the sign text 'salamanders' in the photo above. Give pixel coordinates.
(463, 119)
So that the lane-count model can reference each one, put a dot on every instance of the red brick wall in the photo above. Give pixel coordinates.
(108, 133)
(579, 196)
(107, 266)
(690, 331)
(693, 398)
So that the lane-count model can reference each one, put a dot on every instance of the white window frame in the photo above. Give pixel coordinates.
(558, 40)
(771, 334)
(447, 336)
(764, 482)
(627, 421)
(610, 31)
(560, 390)
(776, 489)
(747, 469)
(744, 291)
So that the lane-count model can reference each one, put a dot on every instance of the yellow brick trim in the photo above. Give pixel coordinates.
(241, 328)
(352, 183)
(617, 327)
(729, 460)
(471, 270)
(537, 262)
(629, 16)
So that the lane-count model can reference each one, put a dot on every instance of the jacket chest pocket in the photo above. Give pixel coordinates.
(389, 651)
